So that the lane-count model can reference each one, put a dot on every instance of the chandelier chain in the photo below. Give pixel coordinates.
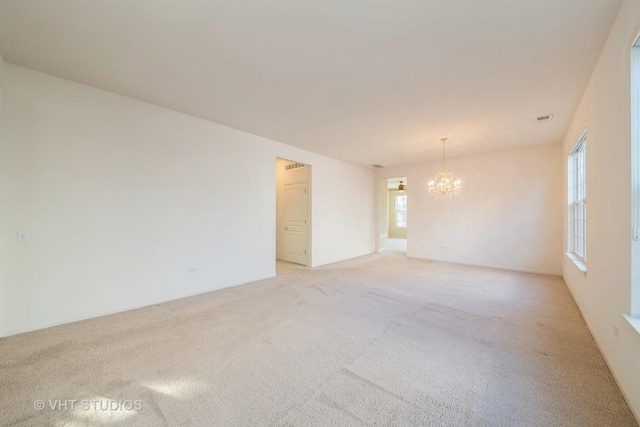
(444, 141)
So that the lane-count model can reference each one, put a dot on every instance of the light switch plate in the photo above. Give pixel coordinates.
(23, 236)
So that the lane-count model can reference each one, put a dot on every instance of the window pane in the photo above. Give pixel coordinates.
(401, 203)
(584, 229)
(401, 219)
(401, 210)
(577, 186)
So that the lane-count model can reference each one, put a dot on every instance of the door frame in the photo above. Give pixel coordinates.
(382, 214)
(382, 210)
(280, 181)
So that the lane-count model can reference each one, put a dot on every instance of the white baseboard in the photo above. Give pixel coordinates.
(45, 325)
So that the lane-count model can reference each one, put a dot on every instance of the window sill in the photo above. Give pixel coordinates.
(633, 321)
(578, 262)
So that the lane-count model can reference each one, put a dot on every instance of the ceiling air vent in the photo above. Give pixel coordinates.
(294, 166)
(377, 166)
(544, 119)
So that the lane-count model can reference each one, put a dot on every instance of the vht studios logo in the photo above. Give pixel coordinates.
(88, 405)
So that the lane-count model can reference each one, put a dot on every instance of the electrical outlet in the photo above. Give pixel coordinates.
(615, 330)
(193, 270)
(23, 236)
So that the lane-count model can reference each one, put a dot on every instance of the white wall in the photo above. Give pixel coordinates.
(605, 292)
(121, 197)
(3, 263)
(343, 202)
(1, 70)
(508, 214)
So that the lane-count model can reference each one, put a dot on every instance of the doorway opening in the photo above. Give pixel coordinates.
(393, 220)
(293, 214)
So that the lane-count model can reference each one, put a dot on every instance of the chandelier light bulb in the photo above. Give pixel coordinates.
(444, 186)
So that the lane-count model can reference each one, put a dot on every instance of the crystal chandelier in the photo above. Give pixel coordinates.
(443, 186)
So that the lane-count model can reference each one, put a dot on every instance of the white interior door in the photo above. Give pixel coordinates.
(296, 223)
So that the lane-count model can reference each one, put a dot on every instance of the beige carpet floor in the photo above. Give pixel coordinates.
(379, 340)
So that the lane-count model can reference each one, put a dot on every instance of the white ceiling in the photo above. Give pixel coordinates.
(366, 81)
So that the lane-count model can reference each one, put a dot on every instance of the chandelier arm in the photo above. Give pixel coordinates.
(444, 186)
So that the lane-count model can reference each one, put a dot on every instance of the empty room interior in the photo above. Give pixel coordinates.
(320, 213)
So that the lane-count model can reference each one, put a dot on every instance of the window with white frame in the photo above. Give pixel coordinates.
(401, 211)
(578, 197)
